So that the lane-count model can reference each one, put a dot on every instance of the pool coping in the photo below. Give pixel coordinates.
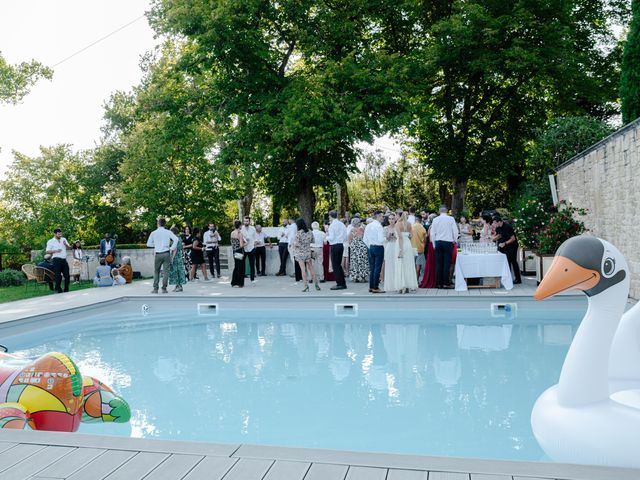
(470, 467)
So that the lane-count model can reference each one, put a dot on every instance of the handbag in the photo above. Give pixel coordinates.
(238, 256)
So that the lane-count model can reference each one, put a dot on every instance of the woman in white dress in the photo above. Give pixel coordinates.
(391, 260)
(406, 272)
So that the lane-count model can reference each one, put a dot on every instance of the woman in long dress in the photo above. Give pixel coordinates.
(76, 266)
(406, 266)
(302, 253)
(177, 276)
(237, 246)
(187, 241)
(359, 262)
(391, 260)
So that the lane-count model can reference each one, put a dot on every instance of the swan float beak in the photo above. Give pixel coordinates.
(565, 274)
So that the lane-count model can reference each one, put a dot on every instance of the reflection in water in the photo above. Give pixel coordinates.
(438, 389)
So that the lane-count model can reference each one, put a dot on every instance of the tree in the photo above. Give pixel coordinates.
(293, 84)
(562, 139)
(495, 71)
(16, 80)
(41, 193)
(630, 78)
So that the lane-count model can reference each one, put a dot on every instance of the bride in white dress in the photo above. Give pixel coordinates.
(391, 255)
(406, 260)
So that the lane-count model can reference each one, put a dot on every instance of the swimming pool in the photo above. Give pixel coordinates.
(434, 378)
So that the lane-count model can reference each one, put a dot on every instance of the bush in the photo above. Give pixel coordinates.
(530, 218)
(10, 278)
(119, 246)
(562, 225)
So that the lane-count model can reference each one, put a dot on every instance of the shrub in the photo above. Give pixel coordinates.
(530, 218)
(10, 278)
(562, 225)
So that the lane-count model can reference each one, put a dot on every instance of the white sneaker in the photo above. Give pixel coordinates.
(254, 281)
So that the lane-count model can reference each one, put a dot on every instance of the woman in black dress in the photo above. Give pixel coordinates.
(237, 246)
(197, 256)
(187, 240)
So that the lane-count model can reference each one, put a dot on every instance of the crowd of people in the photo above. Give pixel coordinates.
(394, 251)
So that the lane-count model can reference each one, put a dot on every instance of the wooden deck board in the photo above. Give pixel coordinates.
(35, 463)
(71, 463)
(174, 467)
(399, 474)
(366, 473)
(100, 467)
(211, 468)
(249, 469)
(138, 467)
(284, 470)
(15, 455)
(326, 471)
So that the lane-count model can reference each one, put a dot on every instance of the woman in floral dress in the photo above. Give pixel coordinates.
(359, 263)
(302, 253)
(187, 240)
(177, 275)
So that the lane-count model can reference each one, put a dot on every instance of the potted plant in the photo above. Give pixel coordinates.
(561, 226)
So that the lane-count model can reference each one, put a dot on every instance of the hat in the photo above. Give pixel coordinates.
(57, 230)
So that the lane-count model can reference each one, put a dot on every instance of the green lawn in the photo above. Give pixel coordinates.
(9, 294)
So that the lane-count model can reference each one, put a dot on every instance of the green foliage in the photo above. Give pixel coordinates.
(485, 195)
(495, 71)
(9, 278)
(562, 139)
(530, 217)
(561, 226)
(16, 80)
(630, 77)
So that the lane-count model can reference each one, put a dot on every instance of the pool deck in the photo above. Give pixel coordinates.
(281, 287)
(50, 455)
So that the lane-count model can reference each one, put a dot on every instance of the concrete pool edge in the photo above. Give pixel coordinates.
(465, 466)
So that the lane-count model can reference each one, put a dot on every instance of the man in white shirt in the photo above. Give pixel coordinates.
(316, 250)
(283, 248)
(212, 241)
(248, 231)
(444, 232)
(164, 243)
(374, 239)
(336, 238)
(411, 218)
(57, 247)
(261, 252)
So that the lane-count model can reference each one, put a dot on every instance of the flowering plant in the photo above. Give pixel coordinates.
(562, 225)
(530, 217)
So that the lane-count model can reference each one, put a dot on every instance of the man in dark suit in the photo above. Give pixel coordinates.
(507, 244)
(108, 246)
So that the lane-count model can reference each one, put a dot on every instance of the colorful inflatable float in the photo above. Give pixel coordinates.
(49, 393)
(592, 415)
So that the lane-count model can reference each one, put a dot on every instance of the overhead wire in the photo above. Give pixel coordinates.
(98, 41)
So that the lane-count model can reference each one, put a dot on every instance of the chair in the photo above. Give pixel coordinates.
(28, 270)
(44, 276)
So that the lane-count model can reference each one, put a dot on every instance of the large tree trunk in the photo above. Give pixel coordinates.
(444, 194)
(306, 200)
(342, 198)
(245, 203)
(275, 218)
(457, 200)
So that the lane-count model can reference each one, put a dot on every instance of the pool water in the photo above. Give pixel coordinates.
(415, 381)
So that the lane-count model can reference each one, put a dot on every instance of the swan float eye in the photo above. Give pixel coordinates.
(608, 267)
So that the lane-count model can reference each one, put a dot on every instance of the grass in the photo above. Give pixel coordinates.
(10, 294)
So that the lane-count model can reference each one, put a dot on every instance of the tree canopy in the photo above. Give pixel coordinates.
(17, 80)
(630, 78)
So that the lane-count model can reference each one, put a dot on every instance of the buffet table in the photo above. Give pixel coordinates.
(474, 265)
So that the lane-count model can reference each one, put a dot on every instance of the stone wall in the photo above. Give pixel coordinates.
(605, 179)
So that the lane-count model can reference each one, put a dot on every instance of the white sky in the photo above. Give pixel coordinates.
(69, 108)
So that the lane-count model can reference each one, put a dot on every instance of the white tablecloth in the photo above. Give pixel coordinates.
(473, 265)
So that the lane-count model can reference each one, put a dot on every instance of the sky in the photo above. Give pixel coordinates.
(69, 108)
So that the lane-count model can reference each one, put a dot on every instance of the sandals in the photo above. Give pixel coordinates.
(306, 288)
(317, 287)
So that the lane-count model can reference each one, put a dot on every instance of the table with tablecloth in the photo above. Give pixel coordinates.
(474, 265)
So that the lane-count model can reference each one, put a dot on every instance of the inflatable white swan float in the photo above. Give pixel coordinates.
(592, 415)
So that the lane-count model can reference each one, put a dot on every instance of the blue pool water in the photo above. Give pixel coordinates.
(419, 381)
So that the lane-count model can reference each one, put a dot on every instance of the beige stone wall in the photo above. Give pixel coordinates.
(605, 179)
